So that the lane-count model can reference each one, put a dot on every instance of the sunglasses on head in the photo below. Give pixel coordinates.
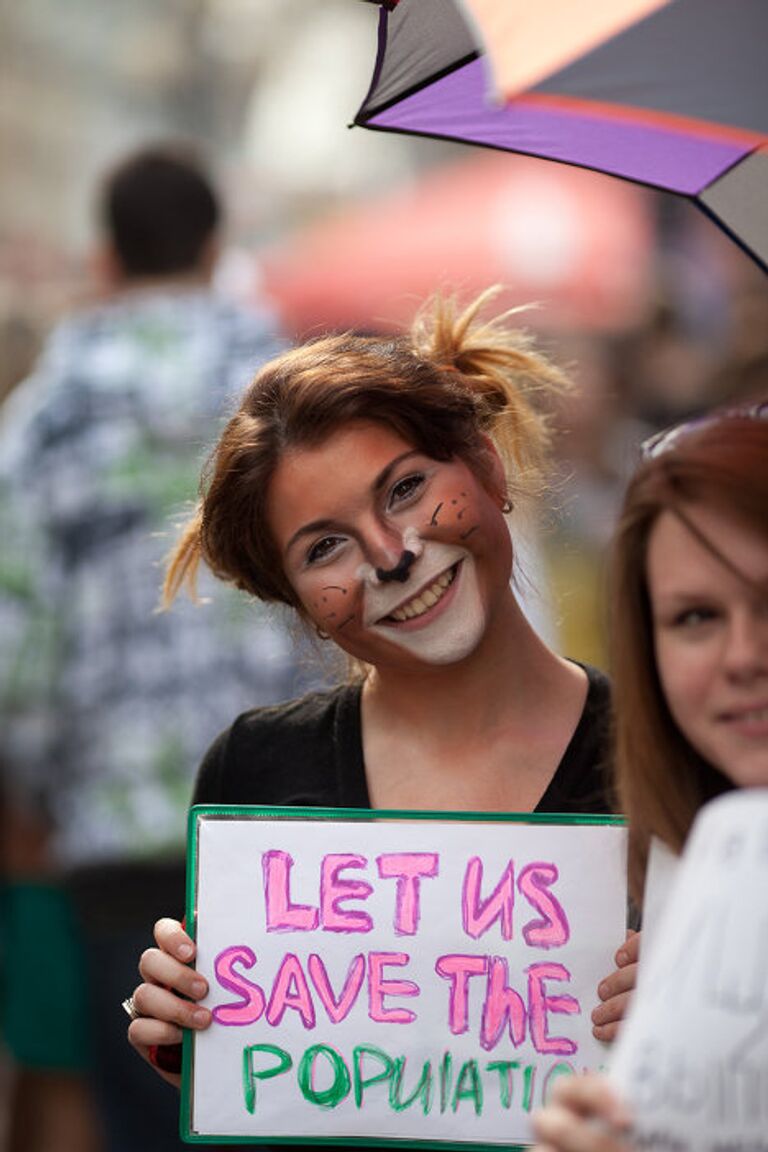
(668, 439)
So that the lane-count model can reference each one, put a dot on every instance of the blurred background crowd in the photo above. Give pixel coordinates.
(641, 294)
(654, 311)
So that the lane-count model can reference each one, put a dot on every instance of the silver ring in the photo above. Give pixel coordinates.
(129, 1007)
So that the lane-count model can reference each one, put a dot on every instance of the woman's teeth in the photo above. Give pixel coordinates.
(426, 599)
(758, 714)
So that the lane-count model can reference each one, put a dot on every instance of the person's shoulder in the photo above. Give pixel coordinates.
(592, 734)
(599, 692)
(582, 782)
(39, 402)
(305, 711)
(250, 337)
(277, 753)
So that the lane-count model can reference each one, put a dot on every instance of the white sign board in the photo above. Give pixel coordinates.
(693, 1057)
(392, 977)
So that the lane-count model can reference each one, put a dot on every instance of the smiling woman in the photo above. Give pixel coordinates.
(366, 482)
(690, 626)
(690, 660)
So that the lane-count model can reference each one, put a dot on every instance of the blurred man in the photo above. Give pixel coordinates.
(105, 706)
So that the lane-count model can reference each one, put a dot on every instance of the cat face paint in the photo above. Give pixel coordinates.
(345, 513)
(442, 618)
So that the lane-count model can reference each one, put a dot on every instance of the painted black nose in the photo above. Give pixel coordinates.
(401, 570)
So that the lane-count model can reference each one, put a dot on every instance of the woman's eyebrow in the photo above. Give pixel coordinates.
(378, 484)
(310, 529)
(382, 479)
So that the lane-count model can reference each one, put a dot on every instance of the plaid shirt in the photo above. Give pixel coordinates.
(106, 707)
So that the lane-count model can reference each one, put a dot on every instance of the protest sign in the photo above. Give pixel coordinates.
(394, 977)
(692, 1061)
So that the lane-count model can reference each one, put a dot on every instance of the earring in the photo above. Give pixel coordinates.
(507, 506)
(322, 635)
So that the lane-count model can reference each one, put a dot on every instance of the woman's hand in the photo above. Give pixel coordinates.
(167, 1000)
(584, 1115)
(616, 990)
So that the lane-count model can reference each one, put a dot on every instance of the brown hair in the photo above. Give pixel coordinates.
(445, 386)
(160, 211)
(662, 781)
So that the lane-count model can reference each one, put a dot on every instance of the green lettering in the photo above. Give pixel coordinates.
(423, 1088)
(357, 1065)
(555, 1072)
(529, 1077)
(469, 1086)
(446, 1075)
(250, 1075)
(339, 1088)
(505, 1068)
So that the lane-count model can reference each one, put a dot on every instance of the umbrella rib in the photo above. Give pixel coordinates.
(405, 93)
(723, 226)
(509, 151)
(735, 164)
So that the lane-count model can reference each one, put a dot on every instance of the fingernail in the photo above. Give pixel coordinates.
(603, 991)
(622, 957)
(200, 1017)
(199, 987)
(184, 951)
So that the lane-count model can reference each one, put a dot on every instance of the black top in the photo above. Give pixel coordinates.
(309, 753)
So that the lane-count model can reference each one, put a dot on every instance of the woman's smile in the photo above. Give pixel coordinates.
(422, 603)
(445, 630)
(432, 587)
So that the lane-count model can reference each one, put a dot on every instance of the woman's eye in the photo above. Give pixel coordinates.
(693, 617)
(324, 548)
(405, 489)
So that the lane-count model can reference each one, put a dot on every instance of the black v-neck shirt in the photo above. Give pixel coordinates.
(309, 753)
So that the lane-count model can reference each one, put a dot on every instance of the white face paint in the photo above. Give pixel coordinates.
(399, 558)
(438, 613)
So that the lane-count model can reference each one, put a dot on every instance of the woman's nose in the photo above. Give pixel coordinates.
(401, 570)
(386, 553)
(746, 653)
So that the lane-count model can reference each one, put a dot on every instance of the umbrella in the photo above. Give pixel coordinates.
(668, 93)
(576, 241)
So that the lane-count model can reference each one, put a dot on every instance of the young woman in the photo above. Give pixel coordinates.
(366, 483)
(690, 638)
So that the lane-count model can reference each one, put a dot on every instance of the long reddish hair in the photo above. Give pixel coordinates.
(661, 780)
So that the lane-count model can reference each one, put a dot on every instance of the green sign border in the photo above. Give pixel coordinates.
(201, 812)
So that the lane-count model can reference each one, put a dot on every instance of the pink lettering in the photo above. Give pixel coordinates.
(334, 889)
(282, 915)
(539, 1004)
(458, 969)
(251, 1006)
(378, 988)
(477, 916)
(407, 868)
(502, 1004)
(552, 929)
(339, 1009)
(291, 990)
